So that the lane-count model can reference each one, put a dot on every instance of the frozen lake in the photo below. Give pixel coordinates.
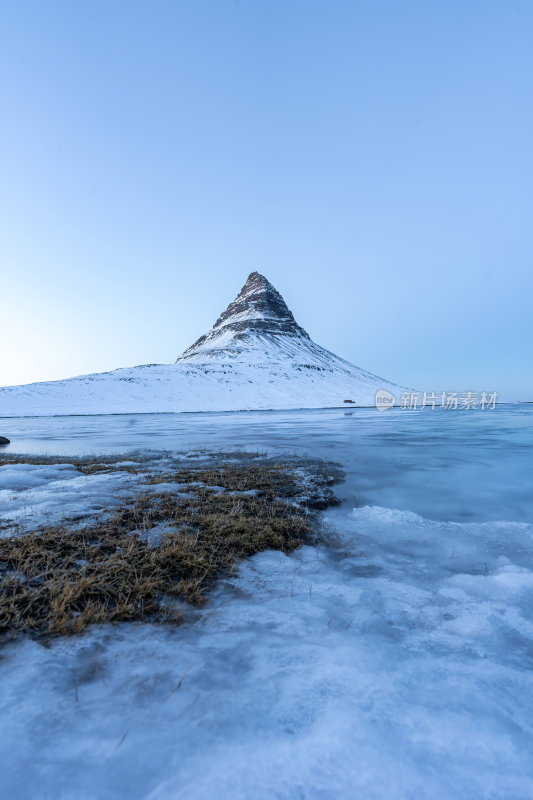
(468, 465)
(395, 664)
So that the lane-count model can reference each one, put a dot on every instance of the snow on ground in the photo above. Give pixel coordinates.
(38, 494)
(193, 387)
(269, 373)
(395, 664)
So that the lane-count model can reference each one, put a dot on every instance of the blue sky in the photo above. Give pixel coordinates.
(373, 160)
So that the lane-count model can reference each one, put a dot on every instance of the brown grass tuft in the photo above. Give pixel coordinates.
(60, 579)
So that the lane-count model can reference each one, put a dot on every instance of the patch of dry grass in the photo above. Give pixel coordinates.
(98, 467)
(277, 480)
(59, 579)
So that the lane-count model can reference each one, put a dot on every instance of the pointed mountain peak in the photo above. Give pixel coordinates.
(256, 279)
(257, 289)
(257, 284)
(258, 300)
(258, 310)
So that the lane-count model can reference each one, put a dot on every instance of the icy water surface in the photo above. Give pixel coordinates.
(446, 465)
(396, 663)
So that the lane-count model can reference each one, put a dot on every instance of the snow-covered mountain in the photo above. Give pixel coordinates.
(255, 356)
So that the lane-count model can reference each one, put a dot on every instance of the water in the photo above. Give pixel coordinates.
(470, 465)
(395, 663)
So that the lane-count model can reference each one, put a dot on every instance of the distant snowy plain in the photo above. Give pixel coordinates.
(280, 374)
(394, 662)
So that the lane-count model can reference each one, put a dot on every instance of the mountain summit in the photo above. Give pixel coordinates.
(255, 356)
(258, 331)
(258, 309)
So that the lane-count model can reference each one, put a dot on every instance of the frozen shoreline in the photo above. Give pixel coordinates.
(329, 672)
(395, 663)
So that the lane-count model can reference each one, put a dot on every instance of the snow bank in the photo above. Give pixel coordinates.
(397, 664)
(261, 383)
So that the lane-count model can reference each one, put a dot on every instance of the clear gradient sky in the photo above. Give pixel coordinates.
(373, 159)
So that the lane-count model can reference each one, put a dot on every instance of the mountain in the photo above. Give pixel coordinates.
(258, 314)
(255, 356)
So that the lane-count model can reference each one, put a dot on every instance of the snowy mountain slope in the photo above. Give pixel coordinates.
(255, 357)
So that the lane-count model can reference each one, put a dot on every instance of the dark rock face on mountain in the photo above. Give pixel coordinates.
(258, 309)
